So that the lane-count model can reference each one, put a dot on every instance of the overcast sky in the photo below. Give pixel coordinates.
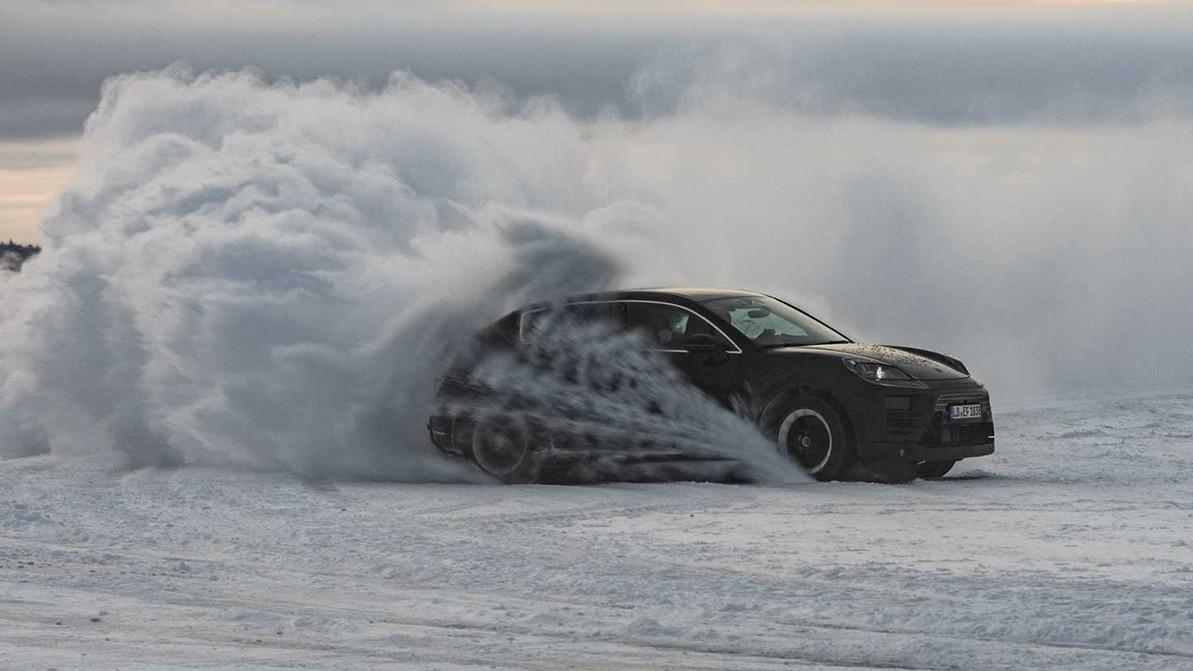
(936, 62)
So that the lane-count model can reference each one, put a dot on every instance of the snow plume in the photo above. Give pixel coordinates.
(271, 276)
(10, 261)
(624, 409)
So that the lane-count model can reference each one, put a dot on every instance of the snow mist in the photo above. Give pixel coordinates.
(271, 277)
(622, 408)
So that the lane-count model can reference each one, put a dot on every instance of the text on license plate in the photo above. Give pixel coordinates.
(965, 411)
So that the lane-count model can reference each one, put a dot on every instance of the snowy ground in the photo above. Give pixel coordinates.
(1070, 548)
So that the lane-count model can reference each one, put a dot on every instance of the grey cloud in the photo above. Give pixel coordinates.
(54, 56)
(39, 116)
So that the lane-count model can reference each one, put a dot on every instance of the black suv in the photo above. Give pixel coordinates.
(839, 408)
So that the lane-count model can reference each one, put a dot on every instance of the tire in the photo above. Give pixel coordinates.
(813, 434)
(504, 448)
(931, 470)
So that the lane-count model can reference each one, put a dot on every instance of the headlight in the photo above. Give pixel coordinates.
(880, 373)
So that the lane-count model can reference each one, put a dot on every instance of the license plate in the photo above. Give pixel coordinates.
(965, 411)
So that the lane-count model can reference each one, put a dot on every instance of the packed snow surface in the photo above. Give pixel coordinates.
(1069, 548)
(213, 383)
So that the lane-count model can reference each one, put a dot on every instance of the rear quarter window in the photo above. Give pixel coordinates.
(532, 322)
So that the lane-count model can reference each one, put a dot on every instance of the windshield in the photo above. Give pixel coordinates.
(768, 322)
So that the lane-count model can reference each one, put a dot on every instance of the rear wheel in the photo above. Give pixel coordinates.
(812, 433)
(503, 447)
(930, 470)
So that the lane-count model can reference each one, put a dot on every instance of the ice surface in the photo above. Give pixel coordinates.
(1072, 547)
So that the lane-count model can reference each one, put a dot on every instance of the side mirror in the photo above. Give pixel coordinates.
(704, 343)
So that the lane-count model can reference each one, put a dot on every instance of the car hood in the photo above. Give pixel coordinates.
(915, 365)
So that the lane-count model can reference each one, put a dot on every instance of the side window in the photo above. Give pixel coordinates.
(501, 333)
(533, 322)
(666, 326)
(590, 313)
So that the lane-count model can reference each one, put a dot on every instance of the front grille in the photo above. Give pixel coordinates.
(963, 398)
(904, 421)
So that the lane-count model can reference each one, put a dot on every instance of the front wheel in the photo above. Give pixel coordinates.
(812, 433)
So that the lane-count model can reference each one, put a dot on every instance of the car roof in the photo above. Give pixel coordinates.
(698, 293)
(681, 295)
(659, 293)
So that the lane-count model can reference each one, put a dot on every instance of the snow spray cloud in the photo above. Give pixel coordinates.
(10, 261)
(262, 274)
(601, 395)
(1047, 253)
(272, 276)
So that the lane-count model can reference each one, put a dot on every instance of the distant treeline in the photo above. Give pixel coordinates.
(12, 255)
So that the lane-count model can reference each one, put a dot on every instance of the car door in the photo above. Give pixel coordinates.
(669, 328)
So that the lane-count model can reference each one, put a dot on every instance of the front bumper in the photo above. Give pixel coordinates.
(913, 453)
(912, 425)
